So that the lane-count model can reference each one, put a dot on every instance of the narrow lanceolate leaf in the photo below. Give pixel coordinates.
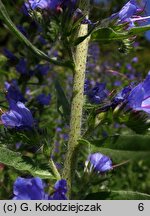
(118, 195)
(125, 142)
(63, 105)
(23, 164)
(122, 148)
(108, 34)
(5, 17)
(138, 30)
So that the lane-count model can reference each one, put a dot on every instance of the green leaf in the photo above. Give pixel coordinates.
(81, 39)
(23, 164)
(122, 148)
(138, 122)
(108, 34)
(84, 142)
(5, 17)
(63, 105)
(117, 195)
(53, 30)
(138, 30)
(125, 142)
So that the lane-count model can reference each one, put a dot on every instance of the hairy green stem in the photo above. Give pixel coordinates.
(76, 107)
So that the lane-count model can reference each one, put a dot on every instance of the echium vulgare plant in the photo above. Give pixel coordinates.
(69, 152)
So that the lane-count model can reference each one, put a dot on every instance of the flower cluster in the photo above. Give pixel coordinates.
(18, 94)
(130, 14)
(42, 4)
(48, 4)
(33, 189)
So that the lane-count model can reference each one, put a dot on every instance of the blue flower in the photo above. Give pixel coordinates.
(24, 9)
(21, 67)
(18, 117)
(99, 162)
(42, 69)
(23, 31)
(135, 60)
(117, 83)
(139, 98)
(44, 99)
(130, 14)
(33, 4)
(43, 4)
(98, 93)
(42, 40)
(33, 189)
(9, 55)
(29, 189)
(13, 92)
(78, 14)
(121, 96)
(128, 10)
(86, 87)
(50, 4)
(60, 190)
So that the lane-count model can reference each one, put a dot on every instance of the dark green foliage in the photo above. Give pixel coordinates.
(23, 164)
(109, 34)
(24, 40)
(118, 195)
(63, 105)
(125, 142)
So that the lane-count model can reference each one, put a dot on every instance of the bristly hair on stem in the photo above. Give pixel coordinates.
(77, 103)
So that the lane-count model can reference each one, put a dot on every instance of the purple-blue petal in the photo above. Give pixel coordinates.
(100, 162)
(139, 97)
(128, 10)
(44, 99)
(29, 189)
(19, 116)
(98, 93)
